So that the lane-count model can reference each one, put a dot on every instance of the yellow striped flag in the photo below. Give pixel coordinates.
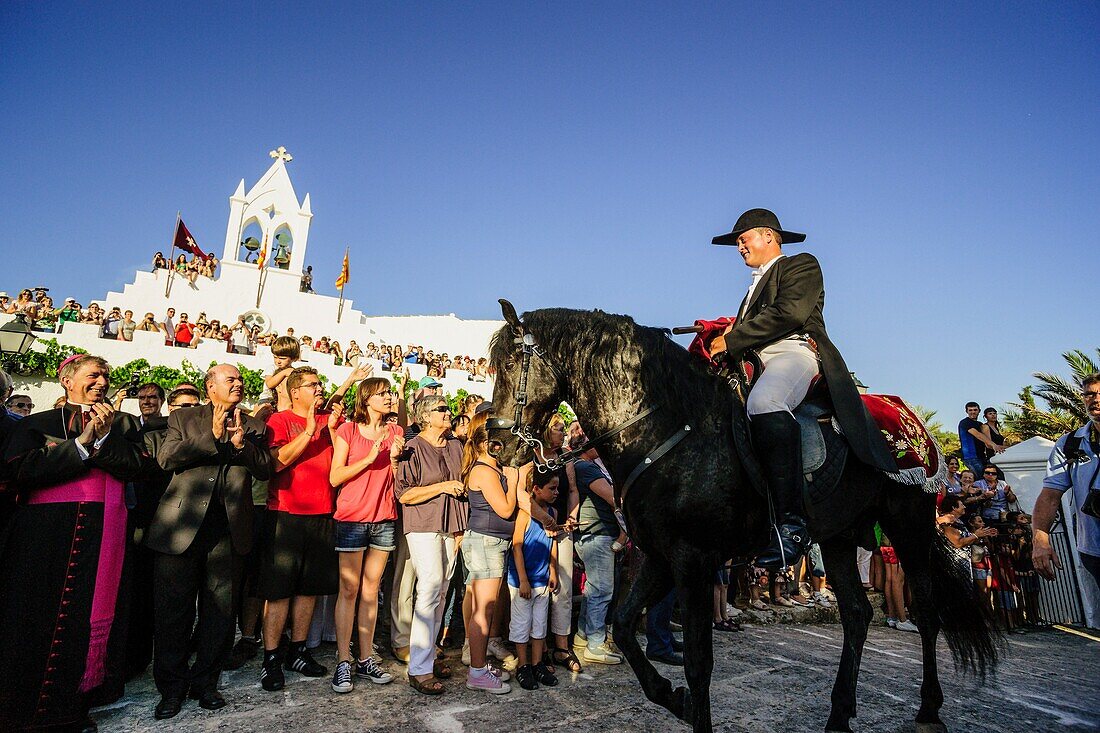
(345, 275)
(262, 259)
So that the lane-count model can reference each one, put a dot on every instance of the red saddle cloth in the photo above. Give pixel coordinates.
(915, 450)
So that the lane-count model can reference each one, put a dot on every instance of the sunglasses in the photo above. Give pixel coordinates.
(441, 408)
(23, 405)
(185, 404)
(989, 473)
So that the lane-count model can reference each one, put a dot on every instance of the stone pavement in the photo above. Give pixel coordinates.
(767, 678)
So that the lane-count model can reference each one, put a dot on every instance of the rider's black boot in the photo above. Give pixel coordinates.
(778, 445)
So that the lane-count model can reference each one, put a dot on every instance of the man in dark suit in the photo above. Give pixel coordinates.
(781, 320)
(201, 528)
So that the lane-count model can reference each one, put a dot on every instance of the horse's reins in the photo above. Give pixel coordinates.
(544, 464)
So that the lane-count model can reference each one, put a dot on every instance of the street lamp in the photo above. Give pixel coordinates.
(15, 336)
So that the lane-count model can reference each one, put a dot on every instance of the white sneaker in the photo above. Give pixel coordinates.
(496, 648)
(892, 623)
(821, 599)
(906, 625)
(601, 655)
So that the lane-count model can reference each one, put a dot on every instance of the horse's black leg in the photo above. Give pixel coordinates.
(695, 581)
(912, 545)
(651, 584)
(855, 616)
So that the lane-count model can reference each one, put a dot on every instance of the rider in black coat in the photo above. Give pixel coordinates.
(781, 319)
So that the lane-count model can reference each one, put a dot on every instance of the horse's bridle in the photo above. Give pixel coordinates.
(523, 433)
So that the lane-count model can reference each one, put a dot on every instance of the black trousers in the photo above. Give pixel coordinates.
(139, 635)
(206, 574)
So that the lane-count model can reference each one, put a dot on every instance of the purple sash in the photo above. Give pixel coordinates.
(98, 486)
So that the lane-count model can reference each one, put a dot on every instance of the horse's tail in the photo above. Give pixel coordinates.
(967, 623)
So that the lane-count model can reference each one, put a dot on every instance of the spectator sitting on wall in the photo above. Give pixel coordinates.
(47, 316)
(127, 326)
(148, 323)
(306, 285)
(159, 263)
(111, 324)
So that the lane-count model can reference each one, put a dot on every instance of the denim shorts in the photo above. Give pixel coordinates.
(358, 536)
(485, 557)
(981, 574)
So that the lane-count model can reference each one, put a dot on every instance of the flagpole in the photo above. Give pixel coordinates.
(343, 282)
(171, 257)
(262, 261)
(260, 285)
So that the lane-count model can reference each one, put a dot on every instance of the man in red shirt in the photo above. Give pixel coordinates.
(185, 332)
(298, 559)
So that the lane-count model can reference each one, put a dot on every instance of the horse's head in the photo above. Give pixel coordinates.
(513, 346)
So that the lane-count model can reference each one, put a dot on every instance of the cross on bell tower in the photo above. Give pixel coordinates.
(280, 153)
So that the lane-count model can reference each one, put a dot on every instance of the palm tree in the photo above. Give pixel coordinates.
(948, 439)
(1064, 409)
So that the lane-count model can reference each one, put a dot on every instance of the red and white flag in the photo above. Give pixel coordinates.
(186, 242)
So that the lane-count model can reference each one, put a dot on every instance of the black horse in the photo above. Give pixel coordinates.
(694, 508)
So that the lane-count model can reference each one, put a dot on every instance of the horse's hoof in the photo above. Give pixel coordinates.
(681, 704)
(931, 728)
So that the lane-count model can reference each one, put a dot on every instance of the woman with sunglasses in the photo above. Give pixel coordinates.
(364, 465)
(485, 547)
(433, 516)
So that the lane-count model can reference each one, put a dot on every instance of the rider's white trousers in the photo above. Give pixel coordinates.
(791, 366)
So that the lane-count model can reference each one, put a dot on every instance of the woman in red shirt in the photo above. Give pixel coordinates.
(365, 453)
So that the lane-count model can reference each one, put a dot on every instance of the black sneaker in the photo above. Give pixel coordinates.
(302, 661)
(271, 673)
(341, 680)
(544, 675)
(368, 669)
(525, 676)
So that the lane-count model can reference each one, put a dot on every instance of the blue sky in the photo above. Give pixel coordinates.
(943, 160)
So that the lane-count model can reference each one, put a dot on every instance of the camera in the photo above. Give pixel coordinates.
(135, 384)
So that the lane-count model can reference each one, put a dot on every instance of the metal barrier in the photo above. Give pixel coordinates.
(1018, 595)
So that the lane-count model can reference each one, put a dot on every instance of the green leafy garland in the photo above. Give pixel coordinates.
(46, 363)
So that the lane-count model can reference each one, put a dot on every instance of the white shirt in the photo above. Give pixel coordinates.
(758, 275)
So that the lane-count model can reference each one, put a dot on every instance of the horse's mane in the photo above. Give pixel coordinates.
(598, 349)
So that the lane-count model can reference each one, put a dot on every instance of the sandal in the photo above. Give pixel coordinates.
(759, 605)
(441, 670)
(566, 658)
(427, 687)
(726, 624)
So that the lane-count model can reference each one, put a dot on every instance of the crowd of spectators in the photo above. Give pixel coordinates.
(395, 523)
(239, 336)
(981, 516)
(361, 522)
(188, 269)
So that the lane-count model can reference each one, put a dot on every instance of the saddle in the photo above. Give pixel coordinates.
(824, 450)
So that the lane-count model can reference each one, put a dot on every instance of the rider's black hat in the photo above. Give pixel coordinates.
(752, 219)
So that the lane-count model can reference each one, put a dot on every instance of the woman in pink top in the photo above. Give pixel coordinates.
(365, 453)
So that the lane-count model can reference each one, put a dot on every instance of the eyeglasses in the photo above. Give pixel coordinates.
(185, 404)
(989, 473)
(309, 385)
(23, 405)
(441, 408)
